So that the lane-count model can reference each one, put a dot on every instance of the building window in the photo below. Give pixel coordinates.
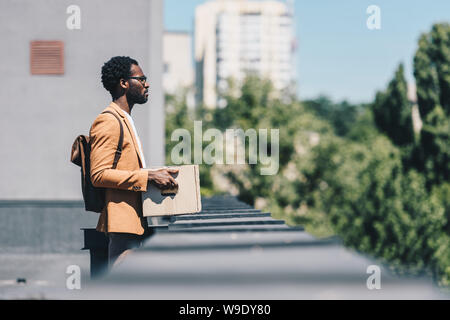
(47, 57)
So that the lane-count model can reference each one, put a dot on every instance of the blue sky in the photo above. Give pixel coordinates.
(338, 55)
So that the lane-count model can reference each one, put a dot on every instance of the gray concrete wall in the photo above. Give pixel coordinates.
(39, 227)
(42, 115)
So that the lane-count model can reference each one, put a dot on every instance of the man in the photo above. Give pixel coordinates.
(122, 218)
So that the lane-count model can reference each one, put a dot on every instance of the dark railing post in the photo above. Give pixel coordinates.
(97, 244)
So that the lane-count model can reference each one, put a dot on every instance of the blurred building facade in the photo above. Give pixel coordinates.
(177, 56)
(412, 97)
(45, 108)
(234, 38)
(178, 74)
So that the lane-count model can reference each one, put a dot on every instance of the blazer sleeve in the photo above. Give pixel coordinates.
(104, 136)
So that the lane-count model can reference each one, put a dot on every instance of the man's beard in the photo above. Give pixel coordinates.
(136, 97)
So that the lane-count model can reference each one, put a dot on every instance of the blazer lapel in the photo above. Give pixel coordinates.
(130, 129)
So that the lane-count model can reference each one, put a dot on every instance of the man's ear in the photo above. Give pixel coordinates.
(123, 84)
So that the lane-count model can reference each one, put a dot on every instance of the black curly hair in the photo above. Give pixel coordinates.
(115, 69)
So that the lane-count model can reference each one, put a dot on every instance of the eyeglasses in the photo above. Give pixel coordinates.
(142, 79)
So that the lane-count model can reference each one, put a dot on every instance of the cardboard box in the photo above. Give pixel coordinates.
(185, 200)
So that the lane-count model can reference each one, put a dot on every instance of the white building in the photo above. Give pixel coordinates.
(178, 65)
(234, 38)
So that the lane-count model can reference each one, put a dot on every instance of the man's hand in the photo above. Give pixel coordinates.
(163, 178)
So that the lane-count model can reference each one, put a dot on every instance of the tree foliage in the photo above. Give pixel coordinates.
(341, 116)
(392, 111)
(352, 170)
(432, 71)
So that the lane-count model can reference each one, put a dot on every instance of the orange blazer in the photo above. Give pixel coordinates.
(123, 210)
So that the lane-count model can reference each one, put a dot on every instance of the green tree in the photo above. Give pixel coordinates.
(257, 107)
(393, 112)
(178, 116)
(425, 72)
(355, 185)
(432, 69)
(341, 116)
(432, 72)
(376, 208)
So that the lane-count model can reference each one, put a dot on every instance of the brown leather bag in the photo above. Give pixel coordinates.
(94, 198)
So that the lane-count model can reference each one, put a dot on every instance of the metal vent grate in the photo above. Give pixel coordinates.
(47, 57)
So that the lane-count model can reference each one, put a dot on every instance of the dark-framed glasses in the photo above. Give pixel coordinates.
(142, 79)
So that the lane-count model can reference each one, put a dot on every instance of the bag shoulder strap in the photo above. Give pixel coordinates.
(119, 147)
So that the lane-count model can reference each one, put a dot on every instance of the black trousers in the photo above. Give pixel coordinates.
(119, 243)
